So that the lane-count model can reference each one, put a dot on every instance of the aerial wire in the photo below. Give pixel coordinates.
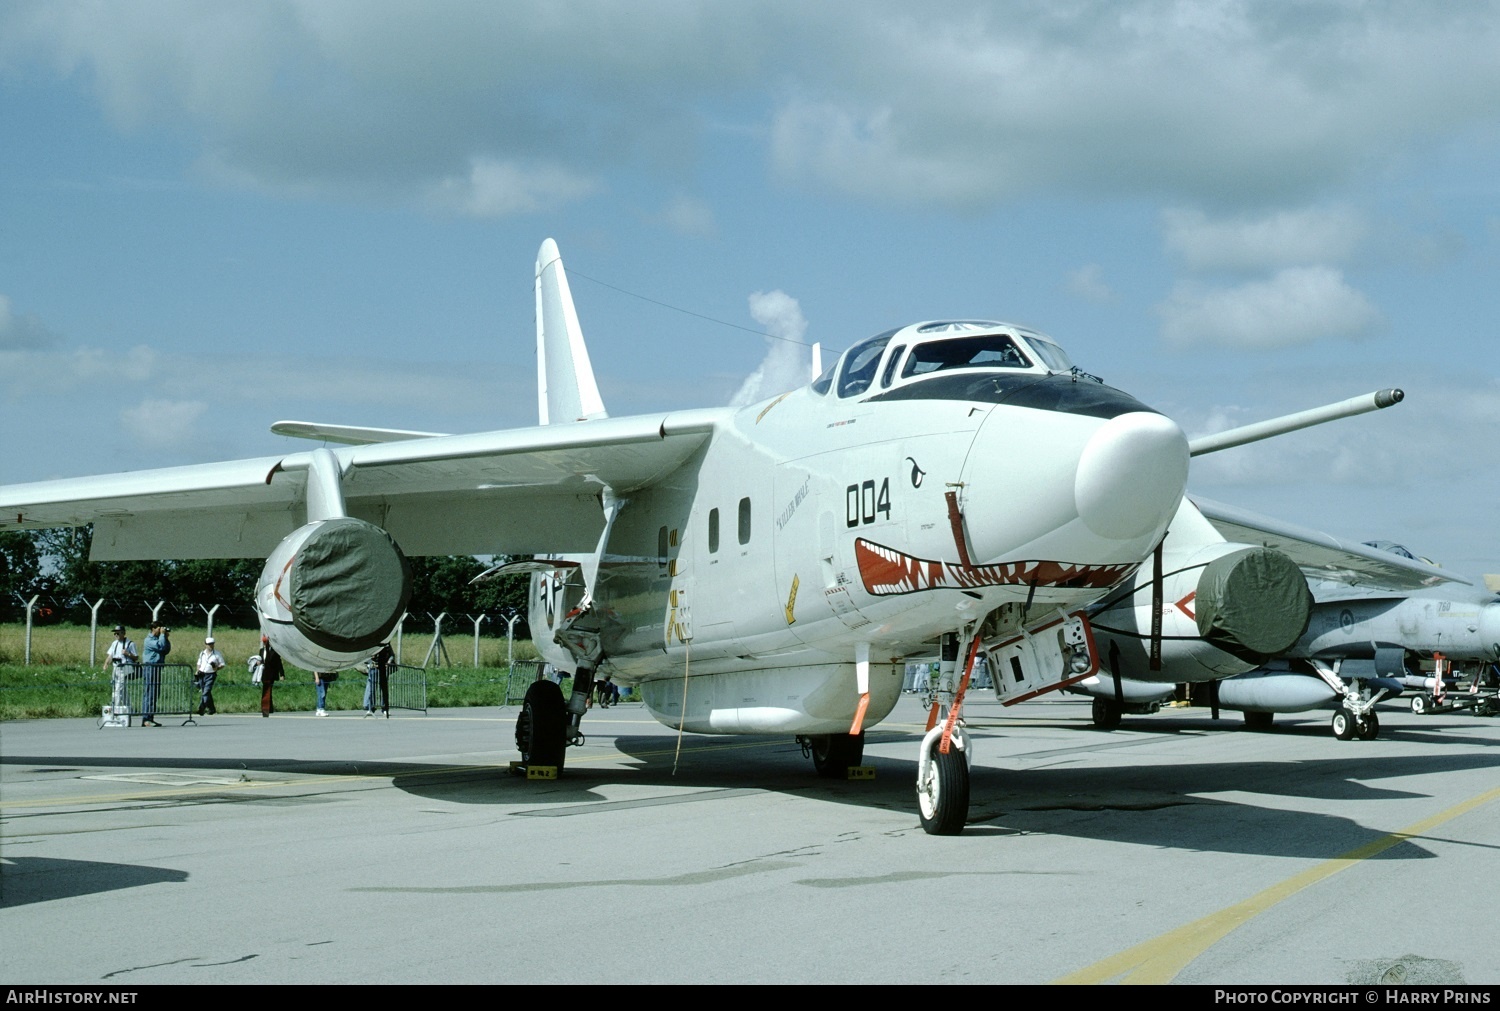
(687, 312)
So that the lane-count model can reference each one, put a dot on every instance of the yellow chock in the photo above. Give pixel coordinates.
(541, 772)
(861, 772)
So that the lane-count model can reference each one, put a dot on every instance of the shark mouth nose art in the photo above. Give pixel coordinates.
(887, 572)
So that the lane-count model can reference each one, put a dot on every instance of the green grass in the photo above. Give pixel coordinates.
(59, 682)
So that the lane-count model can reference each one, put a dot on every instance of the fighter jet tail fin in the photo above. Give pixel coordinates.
(566, 391)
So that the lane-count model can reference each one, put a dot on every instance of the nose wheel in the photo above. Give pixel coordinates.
(943, 785)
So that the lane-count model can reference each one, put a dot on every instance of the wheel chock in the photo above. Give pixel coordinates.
(861, 772)
(533, 771)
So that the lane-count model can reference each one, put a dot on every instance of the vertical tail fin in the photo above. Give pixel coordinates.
(566, 390)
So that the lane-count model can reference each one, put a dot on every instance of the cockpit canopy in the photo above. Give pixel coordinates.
(973, 361)
(889, 359)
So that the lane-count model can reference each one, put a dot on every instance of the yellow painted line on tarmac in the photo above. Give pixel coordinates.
(1160, 959)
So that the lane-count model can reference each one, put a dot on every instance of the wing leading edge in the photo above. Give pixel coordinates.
(512, 492)
(1322, 556)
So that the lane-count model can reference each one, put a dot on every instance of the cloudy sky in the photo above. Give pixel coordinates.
(215, 216)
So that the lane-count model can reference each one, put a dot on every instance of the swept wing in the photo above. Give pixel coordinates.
(1323, 556)
(518, 491)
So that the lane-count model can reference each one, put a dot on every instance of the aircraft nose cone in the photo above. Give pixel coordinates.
(1131, 475)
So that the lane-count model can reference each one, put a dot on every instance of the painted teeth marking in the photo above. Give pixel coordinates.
(886, 571)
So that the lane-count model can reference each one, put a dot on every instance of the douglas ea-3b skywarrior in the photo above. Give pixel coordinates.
(956, 484)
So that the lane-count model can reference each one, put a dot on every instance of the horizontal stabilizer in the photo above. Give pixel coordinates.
(1323, 556)
(348, 435)
(525, 568)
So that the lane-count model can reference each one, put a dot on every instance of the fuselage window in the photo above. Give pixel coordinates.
(713, 530)
(744, 521)
(860, 363)
(890, 366)
(990, 351)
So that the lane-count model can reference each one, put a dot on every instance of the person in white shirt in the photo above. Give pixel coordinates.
(209, 663)
(120, 659)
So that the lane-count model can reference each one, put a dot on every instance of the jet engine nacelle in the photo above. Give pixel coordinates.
(1226, 610)
(331, 593)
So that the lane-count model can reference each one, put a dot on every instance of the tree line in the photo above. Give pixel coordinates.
(54, 566)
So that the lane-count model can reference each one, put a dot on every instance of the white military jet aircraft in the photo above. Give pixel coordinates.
(762, 570)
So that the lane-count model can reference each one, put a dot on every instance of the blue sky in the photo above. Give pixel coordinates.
(215, 216)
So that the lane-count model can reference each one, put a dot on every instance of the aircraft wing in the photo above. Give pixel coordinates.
(1322, 556)
(531, 490)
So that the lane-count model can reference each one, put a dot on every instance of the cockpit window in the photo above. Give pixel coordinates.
(822, 383)
(890, 365)
(860, 363)
(1054, 357)
(990, 351)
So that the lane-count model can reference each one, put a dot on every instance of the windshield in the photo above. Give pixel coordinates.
(860, 364)
(986, 352)
(1054, 357)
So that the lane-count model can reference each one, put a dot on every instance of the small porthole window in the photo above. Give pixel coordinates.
(744, 521)
(713, 530)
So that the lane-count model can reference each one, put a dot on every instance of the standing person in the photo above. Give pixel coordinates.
(158, 644)
(120, 661)
(209, 663)
(271, 671)
(321, 679)
(377, 668)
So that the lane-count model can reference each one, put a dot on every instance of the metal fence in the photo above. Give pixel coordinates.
(149, 690)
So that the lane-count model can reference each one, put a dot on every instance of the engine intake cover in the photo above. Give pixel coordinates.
(348, 585)
(1253, 603)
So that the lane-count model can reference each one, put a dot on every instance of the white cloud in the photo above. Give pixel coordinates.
(496, 189)
(1257, 242)
(960, 106)
(1297, 305)
(163, 424)
(25, 331)
(689, 216)
(1087, 282)
(786, 365)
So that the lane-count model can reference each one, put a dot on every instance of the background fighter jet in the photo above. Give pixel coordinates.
(764, 569)
(1364, 642)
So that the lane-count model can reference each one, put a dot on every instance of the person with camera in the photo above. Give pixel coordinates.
(158, 644)
(120, 660)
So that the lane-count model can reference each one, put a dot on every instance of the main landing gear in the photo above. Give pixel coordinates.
(541, 727)
(1355, 716)
(834, 755)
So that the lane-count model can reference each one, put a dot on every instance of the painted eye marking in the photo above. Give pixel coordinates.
(917, 473)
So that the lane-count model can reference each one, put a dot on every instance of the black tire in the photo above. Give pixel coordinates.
(1259, 721)
(943, 801)
(1106, 713)
(541, 727)
(834, 754)
(1420, 704)
(1343, 724)
(1368, 728)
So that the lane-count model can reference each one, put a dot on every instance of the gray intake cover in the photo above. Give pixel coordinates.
(1253, 603)
(349, 585)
